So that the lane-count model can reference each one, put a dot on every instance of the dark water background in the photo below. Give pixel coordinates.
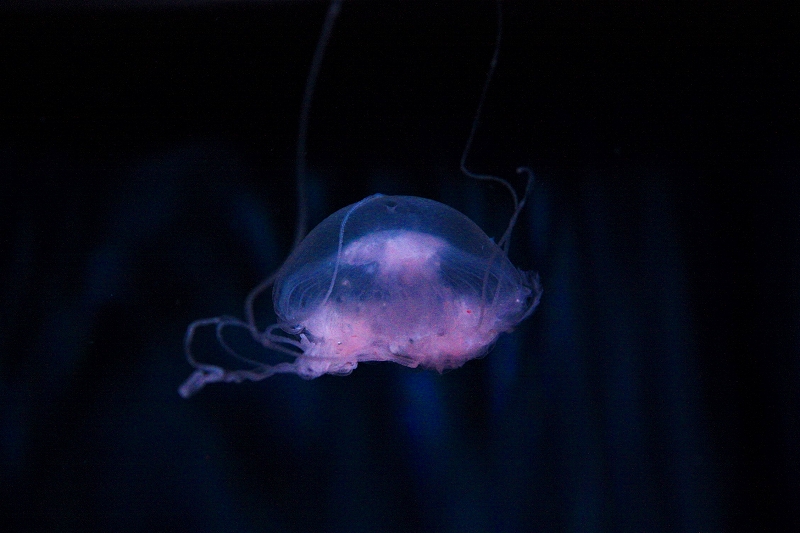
(146, 180)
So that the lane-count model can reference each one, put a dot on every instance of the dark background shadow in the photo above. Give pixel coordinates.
(147, 180)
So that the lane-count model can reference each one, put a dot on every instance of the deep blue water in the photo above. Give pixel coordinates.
(147, 181)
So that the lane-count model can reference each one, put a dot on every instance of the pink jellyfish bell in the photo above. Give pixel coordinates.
(390, 278)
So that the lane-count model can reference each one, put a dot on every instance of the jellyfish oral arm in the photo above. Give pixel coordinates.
(206, 373)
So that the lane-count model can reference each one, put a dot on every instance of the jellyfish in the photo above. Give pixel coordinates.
(398, 279)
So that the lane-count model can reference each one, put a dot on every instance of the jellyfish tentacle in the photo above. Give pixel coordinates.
(249, 303)
(519, 204)
(275, 341)
(206, 373)
(341, 242)
(198, 380)
(305, 111)
(532, 281)
(230, 321)
(503, 243)
(506, 239)
(479, 111)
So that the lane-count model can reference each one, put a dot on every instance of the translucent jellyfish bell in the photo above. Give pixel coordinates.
(402, 279)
